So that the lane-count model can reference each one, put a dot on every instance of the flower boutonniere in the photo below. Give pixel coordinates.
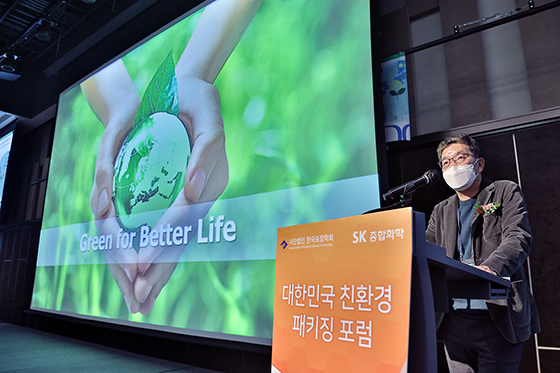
(488, 208)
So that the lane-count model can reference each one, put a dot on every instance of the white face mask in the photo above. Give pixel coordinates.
(460, 177)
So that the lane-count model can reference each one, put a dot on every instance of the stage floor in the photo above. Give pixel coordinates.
(28, 350)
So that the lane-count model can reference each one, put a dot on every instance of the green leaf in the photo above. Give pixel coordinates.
(401, 91)
(393, 93)
(161, 93)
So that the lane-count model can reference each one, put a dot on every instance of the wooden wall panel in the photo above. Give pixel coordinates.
(540, 178)
(466, 72)
(541, 45)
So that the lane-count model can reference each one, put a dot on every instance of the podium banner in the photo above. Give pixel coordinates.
(342, 294)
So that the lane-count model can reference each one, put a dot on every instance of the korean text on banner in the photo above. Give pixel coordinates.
(342, 295)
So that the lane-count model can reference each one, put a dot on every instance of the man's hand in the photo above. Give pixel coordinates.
(487, 269)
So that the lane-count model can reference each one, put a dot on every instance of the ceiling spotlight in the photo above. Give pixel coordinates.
(43, 32)
(8, 62)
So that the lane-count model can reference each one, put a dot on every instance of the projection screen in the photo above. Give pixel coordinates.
(173, 166)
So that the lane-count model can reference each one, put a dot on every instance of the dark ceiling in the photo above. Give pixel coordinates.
(57, 42)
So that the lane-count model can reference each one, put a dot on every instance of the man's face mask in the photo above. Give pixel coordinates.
(460, 177)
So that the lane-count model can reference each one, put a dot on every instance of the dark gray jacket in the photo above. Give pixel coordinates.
(501, 241)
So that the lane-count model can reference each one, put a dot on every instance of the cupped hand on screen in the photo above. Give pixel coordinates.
(205, 179)
(122, 263)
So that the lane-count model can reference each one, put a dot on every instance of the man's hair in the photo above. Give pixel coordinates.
(465, 139)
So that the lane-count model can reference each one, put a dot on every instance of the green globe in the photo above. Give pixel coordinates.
(150, 170)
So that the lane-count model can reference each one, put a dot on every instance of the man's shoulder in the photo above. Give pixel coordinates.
(446, 202)
(500, 185)
(506, 183)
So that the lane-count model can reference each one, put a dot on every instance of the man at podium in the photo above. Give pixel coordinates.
(485, 225)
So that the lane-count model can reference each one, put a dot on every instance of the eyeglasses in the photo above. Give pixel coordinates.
(458, 159)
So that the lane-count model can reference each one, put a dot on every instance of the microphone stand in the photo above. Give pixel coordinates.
(405, 200)
(407, 190)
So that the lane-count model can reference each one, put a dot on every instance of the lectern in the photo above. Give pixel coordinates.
(436, 279)
(360, 294)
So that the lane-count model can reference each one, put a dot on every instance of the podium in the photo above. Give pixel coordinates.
(361, 294)
(436, 279)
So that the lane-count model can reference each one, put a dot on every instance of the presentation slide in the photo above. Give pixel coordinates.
(173, 166)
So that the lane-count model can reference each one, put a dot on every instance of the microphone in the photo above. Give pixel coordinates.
(410, 187)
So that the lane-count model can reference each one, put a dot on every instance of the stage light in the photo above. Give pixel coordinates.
(43, 32)
(8, 62)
